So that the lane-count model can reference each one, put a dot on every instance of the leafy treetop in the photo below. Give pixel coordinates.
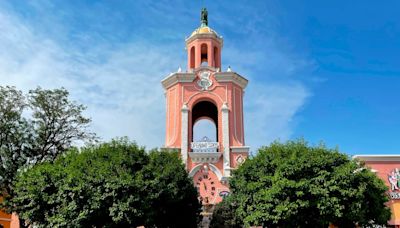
(114, 184)
(295, 185)
(36, 127)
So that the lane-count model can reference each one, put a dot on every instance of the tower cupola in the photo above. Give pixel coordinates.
(204, 45)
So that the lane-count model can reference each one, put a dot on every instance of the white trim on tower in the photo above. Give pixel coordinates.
(225, 140)
(184, 133)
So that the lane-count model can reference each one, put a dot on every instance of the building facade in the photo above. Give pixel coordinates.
(8, 220)
(387, 167)
(204, 91)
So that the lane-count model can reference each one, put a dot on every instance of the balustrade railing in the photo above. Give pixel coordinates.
(204, 146)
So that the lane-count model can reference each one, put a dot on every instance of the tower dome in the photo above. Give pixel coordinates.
(203, 30)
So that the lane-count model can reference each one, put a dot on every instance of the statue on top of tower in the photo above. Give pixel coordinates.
(204, 17)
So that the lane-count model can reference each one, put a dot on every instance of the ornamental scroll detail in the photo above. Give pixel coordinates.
(204, 145)
(205, 81)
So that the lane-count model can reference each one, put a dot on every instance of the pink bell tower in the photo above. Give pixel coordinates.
(203, 91)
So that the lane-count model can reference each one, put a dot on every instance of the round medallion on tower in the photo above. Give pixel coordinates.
(204, 80)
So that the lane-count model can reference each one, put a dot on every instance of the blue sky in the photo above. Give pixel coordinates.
(325, 71)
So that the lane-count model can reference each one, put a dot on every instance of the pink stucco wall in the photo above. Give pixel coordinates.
(382, 170)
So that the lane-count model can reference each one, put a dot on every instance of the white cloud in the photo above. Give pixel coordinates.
(120, 84)
(122, 91)
(270, 110)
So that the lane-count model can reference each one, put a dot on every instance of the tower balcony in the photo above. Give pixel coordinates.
(204, 151)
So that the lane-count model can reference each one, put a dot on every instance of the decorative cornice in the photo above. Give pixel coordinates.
(240, 149)
(202, 68)
(231, 77)
(376, 157)
(174, 78)
(201, 157)
(205, 36)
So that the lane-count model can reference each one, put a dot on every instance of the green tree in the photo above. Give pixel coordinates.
(224, 215)
(173, 197)
(296, 185)
(114, 184)
(36, 127)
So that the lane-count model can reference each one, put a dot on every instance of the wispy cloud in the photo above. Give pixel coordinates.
(122, 91)
(120, 82)
(270, 111)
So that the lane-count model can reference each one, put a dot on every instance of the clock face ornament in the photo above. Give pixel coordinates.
(205, 182)
(204, 82)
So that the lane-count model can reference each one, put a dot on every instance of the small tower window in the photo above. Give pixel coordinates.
(216, 58)
(192, 58)
(204, 54)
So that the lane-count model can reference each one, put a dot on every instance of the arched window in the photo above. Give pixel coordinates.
(192, 58)
(204, 54)
(217, 63)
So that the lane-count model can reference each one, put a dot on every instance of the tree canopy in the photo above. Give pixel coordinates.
(36, 127)
(224, 215)
(295, 185)
(114, 184)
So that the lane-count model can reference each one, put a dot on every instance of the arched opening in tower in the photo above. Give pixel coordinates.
(192, 58)
(205, 121)
(204, 127)
(216, 58)
(204, 55)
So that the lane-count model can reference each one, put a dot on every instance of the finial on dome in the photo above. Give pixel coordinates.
(204, 17)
